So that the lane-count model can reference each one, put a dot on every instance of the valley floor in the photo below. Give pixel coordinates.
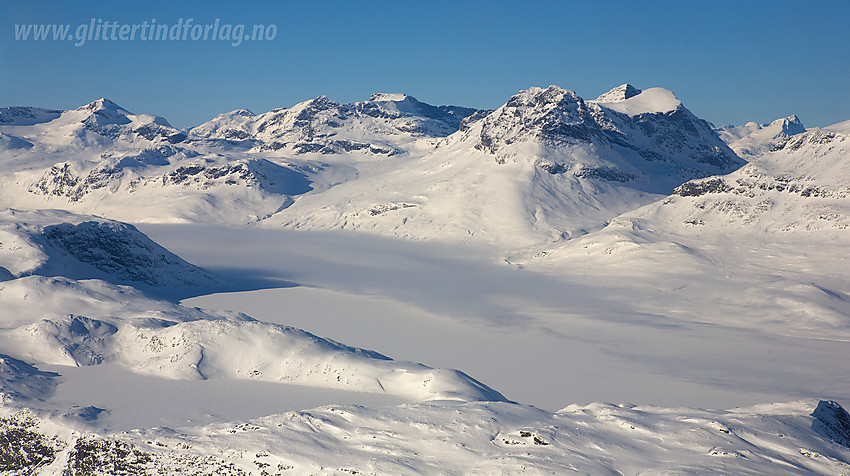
(545, 339)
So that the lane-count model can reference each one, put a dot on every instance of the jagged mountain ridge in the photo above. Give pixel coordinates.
(633, 131)
(753, 140)
(326, 127)
(801, 184)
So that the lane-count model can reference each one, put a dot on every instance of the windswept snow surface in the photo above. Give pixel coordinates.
(473, 438)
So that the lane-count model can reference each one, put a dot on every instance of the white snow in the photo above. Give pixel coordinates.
(545, 261)
(649, 101)
(753, 140)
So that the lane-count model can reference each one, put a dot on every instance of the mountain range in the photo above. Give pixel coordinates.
(545, 166)
(644, 226)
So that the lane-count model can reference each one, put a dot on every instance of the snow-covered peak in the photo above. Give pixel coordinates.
(790, 125)
(620, 93)
(388, 97)
(237, 113)
(540, 97)
(753, 139)
(103, 104)
(649, 101)
(386, 124)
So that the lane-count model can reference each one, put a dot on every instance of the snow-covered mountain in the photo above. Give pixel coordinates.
(57, 243)
(385, 125)
(101, 122)
(770, 241)
(101, 159)
(753, 140)
(802, 184)
(544, 166)
(666, 241)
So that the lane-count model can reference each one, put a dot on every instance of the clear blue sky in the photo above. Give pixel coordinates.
(729, 61)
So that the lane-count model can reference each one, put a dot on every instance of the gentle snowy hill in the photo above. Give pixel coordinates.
(545, 166)
(90, 322)
(57, 308)
(753, 140)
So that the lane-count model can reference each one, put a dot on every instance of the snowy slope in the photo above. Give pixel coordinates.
(763, 247)
(139, 178)
(545, 166)
(54, 312)
(753, 140)
(56, 243)
(806, 437)
(156, 338)
(802, 184)
(102, 159)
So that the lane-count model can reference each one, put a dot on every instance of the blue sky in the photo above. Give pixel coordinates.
(729, 61)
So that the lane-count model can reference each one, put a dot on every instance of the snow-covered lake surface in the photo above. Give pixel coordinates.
(545, 339)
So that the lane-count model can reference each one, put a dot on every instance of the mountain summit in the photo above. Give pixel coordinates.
(620, 93)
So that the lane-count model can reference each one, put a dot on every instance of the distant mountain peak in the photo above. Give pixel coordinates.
(541, 100)
(788, 125)
(620, 93)
(754, 139)
(102, 104)
(390, 97)
(240, 113)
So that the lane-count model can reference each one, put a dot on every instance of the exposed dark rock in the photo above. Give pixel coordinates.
(832, 422)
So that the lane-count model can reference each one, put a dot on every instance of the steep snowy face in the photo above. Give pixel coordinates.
(383, 125)
(54, 243)
(618, 94)
(552, 116)
(803, 184)
(644, 138)
(753, 140)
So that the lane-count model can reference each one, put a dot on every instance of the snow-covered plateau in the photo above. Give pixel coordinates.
(391, 287)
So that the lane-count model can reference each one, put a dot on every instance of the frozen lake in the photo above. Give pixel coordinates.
(539, 339)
